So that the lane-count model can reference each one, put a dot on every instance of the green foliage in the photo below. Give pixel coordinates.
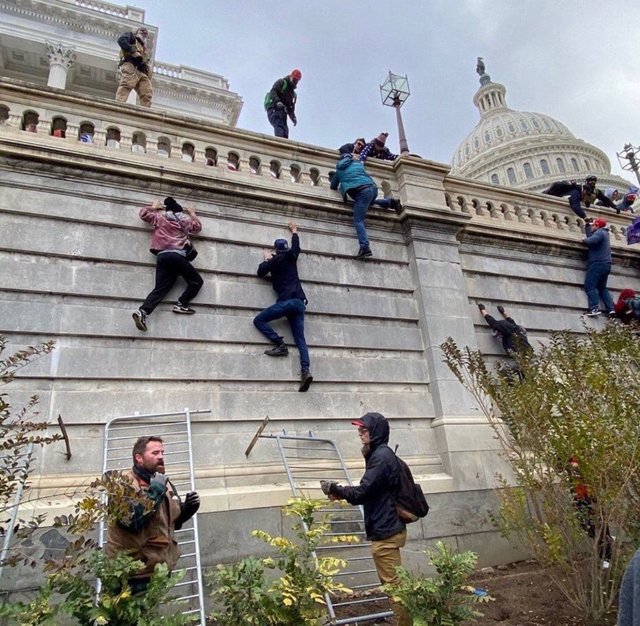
(75, 584)
(579, 398)
(18, 429)
(241, 588)
(297, 596)
(444, 599)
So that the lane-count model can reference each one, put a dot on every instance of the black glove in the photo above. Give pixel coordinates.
(294, 119)
(280, 106)
(501, 309)
(188, 509)
(481, 307)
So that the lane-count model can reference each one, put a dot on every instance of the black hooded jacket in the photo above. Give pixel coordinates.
(379, 485)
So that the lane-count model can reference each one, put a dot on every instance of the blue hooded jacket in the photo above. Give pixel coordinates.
(350, 174)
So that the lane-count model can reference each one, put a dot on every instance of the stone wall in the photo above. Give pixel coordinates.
(75, 264)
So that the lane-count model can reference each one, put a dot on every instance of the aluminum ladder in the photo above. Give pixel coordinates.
(120, 433)
(22, 458)
(308, 460)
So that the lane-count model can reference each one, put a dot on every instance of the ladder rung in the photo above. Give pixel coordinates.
(361, 601)
(363, 618)
(356, 572)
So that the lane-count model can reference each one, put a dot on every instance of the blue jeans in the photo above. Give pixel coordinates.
(293, 310)
(595, 284)
(363, 198)
(278, 119)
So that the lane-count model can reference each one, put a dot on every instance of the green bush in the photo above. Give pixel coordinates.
(444, 599)
(297, 596)
(579, 397)
(70, 590)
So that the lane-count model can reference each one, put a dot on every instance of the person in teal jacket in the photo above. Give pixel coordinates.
(354, 182)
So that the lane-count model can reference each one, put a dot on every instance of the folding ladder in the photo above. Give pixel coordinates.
(120, 433)
(22, 459)
(308, 460)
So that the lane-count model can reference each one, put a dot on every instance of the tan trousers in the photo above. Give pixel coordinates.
(131, 78)
(386, 556)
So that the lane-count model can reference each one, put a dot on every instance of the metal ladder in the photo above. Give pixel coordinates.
(307, 460)
(120, 433)
(22, 458)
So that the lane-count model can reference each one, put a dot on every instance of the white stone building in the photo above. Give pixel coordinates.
(525, 150)
(72, 45)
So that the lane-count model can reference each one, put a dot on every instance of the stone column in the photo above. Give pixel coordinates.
(464, 439)
(60, 60)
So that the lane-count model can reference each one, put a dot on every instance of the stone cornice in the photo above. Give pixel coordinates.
(77, 19)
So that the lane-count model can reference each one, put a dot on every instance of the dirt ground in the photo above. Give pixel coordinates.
(523, 596)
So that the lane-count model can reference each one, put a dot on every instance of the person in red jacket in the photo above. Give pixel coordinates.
(171, 244)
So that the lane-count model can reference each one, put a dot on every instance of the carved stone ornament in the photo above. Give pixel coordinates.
(60, 55)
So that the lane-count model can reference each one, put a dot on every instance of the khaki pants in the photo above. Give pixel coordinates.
(131, 78)
(386, 556)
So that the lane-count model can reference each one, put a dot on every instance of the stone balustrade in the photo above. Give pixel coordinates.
(210, 150)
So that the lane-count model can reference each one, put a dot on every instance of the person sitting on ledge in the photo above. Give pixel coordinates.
(376, 149)
(353, 148)
(586, 192)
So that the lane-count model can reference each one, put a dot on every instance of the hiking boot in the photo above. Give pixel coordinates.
(183, 309)
(279, 350)
(305, 380)
(593, 313)
(364, 253)
(140, 318)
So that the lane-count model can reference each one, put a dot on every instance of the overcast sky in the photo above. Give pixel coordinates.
(575, 60)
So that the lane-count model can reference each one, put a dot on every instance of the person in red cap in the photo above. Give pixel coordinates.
(376, 149)
(377, 495)
(598, 267)
(280, 102)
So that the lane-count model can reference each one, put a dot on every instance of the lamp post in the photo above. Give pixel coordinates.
(394, 92)
(628, 159)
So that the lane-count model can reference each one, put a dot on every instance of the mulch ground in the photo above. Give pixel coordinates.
(523, 596)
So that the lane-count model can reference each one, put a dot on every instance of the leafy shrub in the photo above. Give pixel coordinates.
(444, 599)
(297, 596)
(578, 399)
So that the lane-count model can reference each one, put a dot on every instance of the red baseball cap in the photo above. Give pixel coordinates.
(599, 222)
(358, 423)
(296, 74)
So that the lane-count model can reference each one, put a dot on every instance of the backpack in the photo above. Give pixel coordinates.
(411, 504)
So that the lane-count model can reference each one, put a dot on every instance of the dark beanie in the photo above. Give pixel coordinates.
(171, 205)
(281, 245)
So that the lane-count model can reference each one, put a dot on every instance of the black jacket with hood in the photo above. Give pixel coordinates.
(379, 485)
(283, 267)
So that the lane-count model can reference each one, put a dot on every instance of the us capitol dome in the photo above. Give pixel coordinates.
(525, 150)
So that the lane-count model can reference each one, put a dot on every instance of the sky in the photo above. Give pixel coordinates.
(575, 60)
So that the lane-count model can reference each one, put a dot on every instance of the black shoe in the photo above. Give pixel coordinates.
(140, 318)
(279, 350)
(395, 205)
(364, 253)
(183, 309)
(305, 380)
(593, 313)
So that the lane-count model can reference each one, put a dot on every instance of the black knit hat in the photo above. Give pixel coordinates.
(171, 205)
